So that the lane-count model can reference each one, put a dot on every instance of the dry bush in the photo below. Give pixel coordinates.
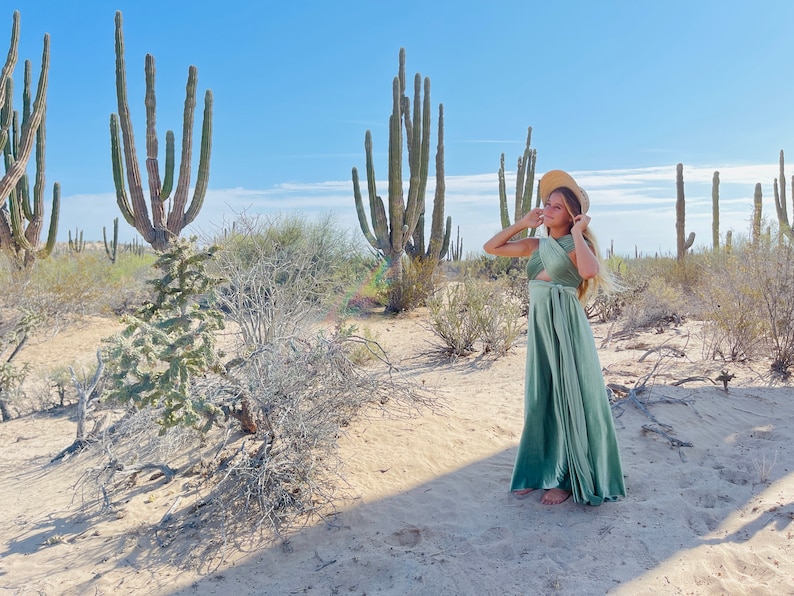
(287, 390)
(474, 310)
(419, 280)
(733, 328)
(774, 279)
(663, 292)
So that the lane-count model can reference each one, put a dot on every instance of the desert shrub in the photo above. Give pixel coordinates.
(283, 272)
(84, 283)
(774, 281)
(660, 292)
(277, 405)
(452, 317)
(733, 328)
(419, 280)
(475, 310)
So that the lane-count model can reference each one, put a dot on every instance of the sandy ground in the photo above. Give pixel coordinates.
(709, 508)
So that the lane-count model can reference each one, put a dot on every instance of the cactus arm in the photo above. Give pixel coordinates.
(715, 211)
(682, 244)
(396, 206)
(11, 59)
(152, 165)
(362, 216)
(529, 185)
(140, 211)
(439, 240)
(757, 203)
(380, 225)
(176, 215)
(418, 168)
(203, 177)
(118, 172)
(30, 127)
(112, 250)
(782, 179)
(53, 230)
(504, 214)
(534, 231)
(168, 182)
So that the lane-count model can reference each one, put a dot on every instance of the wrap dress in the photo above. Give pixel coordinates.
(568, 440)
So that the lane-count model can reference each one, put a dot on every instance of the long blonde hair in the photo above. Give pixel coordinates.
(603, 281)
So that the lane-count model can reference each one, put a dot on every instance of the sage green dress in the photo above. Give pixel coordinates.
(568, 440)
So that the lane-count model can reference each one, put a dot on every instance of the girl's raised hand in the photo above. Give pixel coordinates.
(580, 222)
(533, 218)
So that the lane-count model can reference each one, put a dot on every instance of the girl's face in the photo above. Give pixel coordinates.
(555, 212)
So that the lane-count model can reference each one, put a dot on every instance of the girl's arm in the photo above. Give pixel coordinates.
(583, 256)
(502, 246)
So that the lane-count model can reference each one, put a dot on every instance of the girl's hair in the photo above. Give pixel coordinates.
(603, 281)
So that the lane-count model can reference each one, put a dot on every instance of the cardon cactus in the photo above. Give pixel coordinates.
(22, 215)
(682, 244)
(525, 182)
(715, 211)
(159, 231)
(784, 226)
(397, 233)
(757, 202)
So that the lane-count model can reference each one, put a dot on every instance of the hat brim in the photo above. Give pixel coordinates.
(554, 179)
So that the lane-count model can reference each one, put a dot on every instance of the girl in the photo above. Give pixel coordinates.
(568, 445)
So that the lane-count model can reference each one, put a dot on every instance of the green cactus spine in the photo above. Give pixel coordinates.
(160, 230)
(525, 182)
(111, 250)
(401, 231)
(715, 212)
(682, 244)
(22, 215)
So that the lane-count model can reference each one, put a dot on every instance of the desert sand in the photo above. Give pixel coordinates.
(709, 507)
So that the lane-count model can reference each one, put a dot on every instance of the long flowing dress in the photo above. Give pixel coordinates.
(569, 439)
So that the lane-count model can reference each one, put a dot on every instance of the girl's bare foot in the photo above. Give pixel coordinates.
(555, 496)
(523, 492)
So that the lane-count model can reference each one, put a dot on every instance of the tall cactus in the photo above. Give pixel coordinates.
(396, 233)
(159, 231)
(22, 216)
(112, 249)
(682, 245)
(715, 212)
(784, 227)
(525, 183)
(757, 203)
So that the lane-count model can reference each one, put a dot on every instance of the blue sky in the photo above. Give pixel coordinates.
(617, 92)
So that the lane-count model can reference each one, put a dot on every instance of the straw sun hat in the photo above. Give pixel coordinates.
(554, 179)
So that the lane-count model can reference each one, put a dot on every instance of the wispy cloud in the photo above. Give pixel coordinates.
(630, 207)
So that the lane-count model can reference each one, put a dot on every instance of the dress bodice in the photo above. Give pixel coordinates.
(552, 255)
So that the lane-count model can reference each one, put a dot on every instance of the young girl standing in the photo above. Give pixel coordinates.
(568, 445)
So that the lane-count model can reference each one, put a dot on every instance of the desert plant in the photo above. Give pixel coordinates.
(773, 276)
(159, 231)
(682, 244)
(474, 310)
(757, 204)
(22, 216)
(283, 272)
(398, 232)
(169, 341)
(525, 182)
(733, 328)
(784, 226)
(715, 211)
(112, 249)
(76, 244)
(14, 334)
